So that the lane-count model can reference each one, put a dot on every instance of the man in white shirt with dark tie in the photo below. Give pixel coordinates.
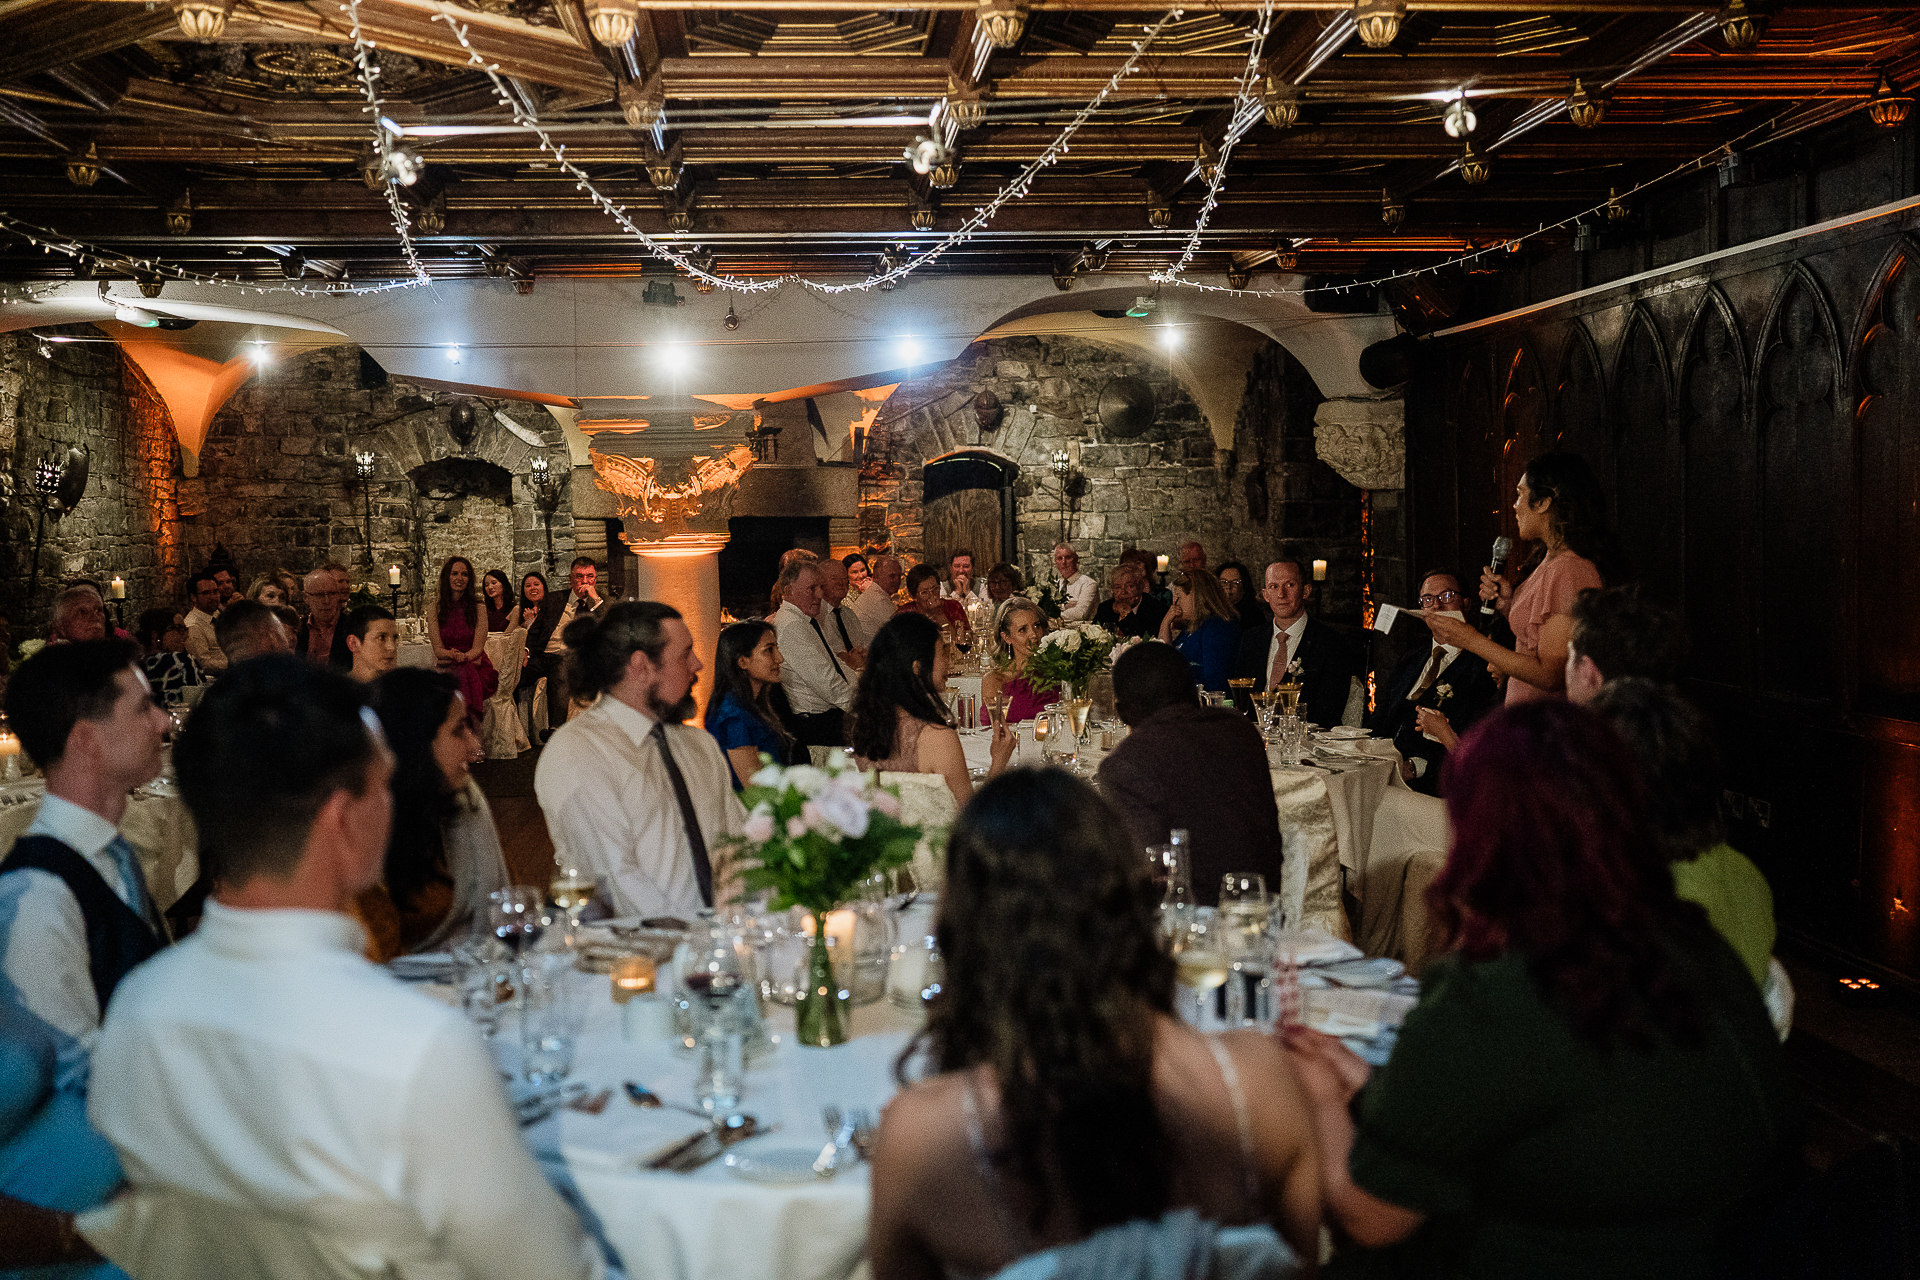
(845, 632)
(202, 643)
(631, 793)
(262, 1080)
(818, 680)
(1081, 591)
(76, 914)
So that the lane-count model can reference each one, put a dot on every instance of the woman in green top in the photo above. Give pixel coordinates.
(1589, 1083)
(1670, 739)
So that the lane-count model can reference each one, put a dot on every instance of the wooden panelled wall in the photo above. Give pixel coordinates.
(1756, 422)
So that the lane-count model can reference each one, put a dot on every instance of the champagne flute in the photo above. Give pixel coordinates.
(1078, 709)
(1200, 967)
(997, 709)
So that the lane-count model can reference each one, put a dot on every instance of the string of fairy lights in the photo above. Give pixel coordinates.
(390, 159)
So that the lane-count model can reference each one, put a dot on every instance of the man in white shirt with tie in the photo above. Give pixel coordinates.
(202, 643)
(631, 793)
(1081, 591)
(845, 632)
(75, 912)
(818, 680)
(262, 1080)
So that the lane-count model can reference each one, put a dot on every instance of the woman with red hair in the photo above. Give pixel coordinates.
(1589, 1082)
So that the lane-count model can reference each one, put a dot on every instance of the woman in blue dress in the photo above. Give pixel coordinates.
(746, 666)
(1203, 626)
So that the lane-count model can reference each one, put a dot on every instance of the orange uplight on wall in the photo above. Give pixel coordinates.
(193, 387)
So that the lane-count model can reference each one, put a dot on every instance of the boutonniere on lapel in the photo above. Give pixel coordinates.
(1441, 692)
(1296, 672)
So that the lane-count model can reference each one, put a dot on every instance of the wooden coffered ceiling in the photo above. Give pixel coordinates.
(783, 127)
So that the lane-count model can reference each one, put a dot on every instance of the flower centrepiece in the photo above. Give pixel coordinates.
(812, 835)
(1068, 658)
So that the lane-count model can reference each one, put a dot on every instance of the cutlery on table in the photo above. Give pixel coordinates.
(641, 1096)
(697, 1149)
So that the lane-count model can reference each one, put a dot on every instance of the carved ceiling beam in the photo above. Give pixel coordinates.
(54, 34)
(543, 55)
(1157, 7)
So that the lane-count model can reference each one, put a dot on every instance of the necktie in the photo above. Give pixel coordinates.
(702, 868)
(128, 864)
(1431, 672)
(1279, 673)
(841, 624)
(829, 648)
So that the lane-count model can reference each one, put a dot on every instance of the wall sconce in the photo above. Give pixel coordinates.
(363, 464)
(546, 488)
(1062, 463)
(84, 170)
(59, 482)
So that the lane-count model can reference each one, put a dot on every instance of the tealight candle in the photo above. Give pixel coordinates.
(632, 976)
(393, 575)
(1319, 570)
(117, 590)
(1161, 562)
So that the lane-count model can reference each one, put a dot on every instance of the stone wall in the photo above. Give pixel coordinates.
(277, 483)
(1154, 490)
(85, 393)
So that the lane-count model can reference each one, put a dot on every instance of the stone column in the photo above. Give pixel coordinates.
(1365, 440)
(685, 573)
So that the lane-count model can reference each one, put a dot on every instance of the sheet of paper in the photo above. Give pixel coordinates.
(1383, 620)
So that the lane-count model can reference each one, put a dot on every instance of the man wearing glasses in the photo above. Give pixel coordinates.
(1434, 694)
(322, 640)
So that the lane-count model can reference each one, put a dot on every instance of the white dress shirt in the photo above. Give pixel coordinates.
(264, 1063)
(976, 590)
(857, 636)
(202, 643)
(1289, 637)
(572, 610)
(611, 809)
(43, 937)
(1083, 597)
(815, 680)
(873, 608)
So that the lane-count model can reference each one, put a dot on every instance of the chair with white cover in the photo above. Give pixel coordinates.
(170, 1234)
(501, 733)
(926, 801)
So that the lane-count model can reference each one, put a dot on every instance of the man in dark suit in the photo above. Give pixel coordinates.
(1130, 611)
(1435, 693)
(322, 639)
(546, 650)
(1323, 660)
(1188, 766)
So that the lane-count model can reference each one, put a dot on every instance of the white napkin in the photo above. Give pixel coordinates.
(1315, 946)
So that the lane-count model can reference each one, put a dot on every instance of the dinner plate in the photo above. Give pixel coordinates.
(1346, 731)
(778, 1167)
(422, 968)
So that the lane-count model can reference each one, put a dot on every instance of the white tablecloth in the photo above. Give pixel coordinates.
(156, 825)
(711, 1225)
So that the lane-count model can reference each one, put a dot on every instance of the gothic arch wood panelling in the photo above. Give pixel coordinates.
(1579, 421)
(1806, 491)
(1523, 404)
(1477, 424)
(1886, 397)
(1647, 490)
(1720, 572)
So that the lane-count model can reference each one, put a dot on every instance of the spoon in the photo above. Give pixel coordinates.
(642, 1096)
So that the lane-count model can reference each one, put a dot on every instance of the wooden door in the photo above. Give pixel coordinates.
(967, 519)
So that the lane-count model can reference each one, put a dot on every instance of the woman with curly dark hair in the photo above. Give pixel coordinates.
(1559, 506)
(740, 713)
(443, 854)
(1589, 1082)
(1069, 1099)
(897, 724)
(458, 622)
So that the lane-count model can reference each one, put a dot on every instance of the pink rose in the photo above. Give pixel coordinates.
(886, 802)
(810, 814)
(759, 828)
(796, 828)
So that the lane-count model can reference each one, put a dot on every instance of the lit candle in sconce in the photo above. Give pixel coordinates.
(1319, 570)
(117, 589)
(1160, 563)
(393, 575)
(9, 745)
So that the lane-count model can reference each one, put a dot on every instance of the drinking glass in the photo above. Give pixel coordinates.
(1078, 710)
(550, 1017)
(997, 709)
(571, 889)
(1059, 743)
(1241, 690)
(1244, 910)
(1201, 968)
(716, 983)
(517, 917)
(483, 980)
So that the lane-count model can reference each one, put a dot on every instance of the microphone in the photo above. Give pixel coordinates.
(1502, 548)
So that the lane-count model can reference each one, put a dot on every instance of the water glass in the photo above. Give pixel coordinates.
(482, 981)
(1201, 967)
(517, 917)
(1058, 745)
(550, 1016)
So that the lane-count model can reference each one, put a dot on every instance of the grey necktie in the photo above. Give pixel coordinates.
(128, 864)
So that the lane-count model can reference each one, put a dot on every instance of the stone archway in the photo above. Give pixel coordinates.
(465, 508)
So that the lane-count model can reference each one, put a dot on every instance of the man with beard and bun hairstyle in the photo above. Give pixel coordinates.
(632, 793)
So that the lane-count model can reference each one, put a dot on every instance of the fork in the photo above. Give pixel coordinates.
(841, 1128)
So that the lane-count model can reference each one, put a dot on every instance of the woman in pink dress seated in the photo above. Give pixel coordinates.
(1559, 505)
(1017, 631)
(923, 587)
(459, 625)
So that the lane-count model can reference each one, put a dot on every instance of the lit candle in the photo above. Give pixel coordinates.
(1319, 570)
(118, 589)
(9, 745)
(393, 575)
(1161, 561)
(632, 976)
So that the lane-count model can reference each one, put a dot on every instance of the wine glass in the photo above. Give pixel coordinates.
(1201, 966)
(571, 889)
(516, 916)
(1244, 909)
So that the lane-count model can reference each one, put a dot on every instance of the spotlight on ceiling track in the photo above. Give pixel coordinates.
(140, 316)
(925, 155)
(1459, 120)
(907, 350)
(46, 351)
(453, 352)
(1142, 306)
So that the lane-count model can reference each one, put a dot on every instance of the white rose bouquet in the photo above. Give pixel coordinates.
(1069, 657)
(1050, 596)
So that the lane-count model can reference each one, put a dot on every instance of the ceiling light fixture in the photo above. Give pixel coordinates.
(1459, 120)
(1616, 207)
(1169, 337)
(262, 353)
(1740, 26)
(84, 170)
(1474, 168)
(453, 352)
(1888, 109)
(925, 154)
(1142, 306)
(202, 19)
(907, 350)
(1583, 108)
(1378, 21)
(126, 313)
(46, 350)
(732, 321)
(612, 21)
(1392, 212)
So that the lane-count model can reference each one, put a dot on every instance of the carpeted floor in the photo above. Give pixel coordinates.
(523, 829)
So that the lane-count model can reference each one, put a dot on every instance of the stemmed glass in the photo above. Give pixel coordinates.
(517, 917)
(571, 889)
(1245, 909)
(1201, 966)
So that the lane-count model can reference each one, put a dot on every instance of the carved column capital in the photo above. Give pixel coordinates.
(1364, 440)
